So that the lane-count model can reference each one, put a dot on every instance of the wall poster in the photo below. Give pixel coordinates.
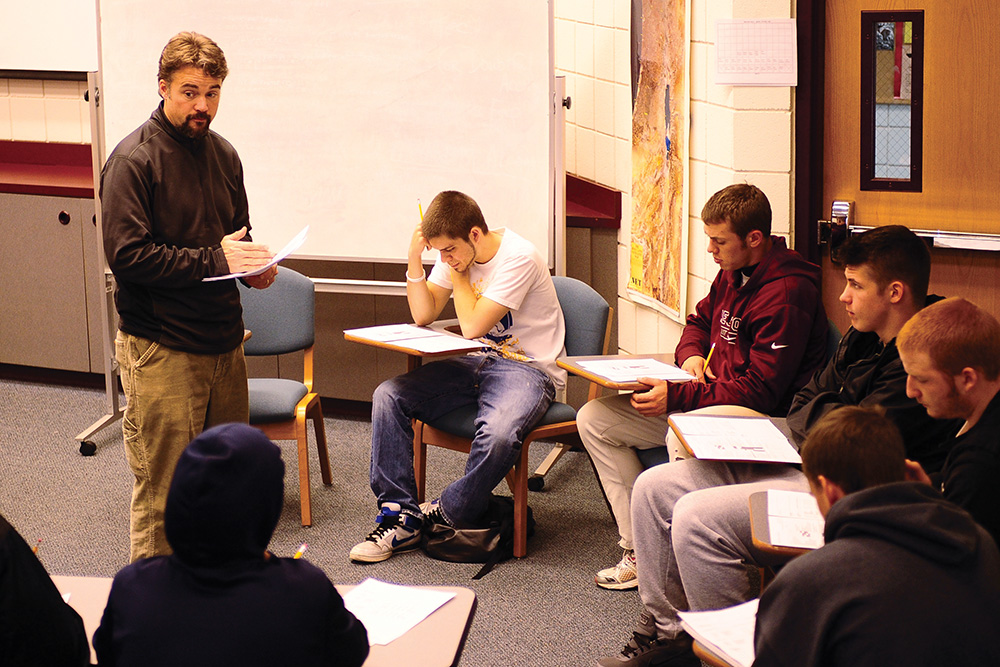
(660, 124)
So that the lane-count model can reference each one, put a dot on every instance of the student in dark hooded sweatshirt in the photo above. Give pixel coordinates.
(221, 598)
(37, 628)
(905, 577)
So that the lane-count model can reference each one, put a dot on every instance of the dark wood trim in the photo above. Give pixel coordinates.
(809, 126)
(41, 168)
(51, 376)
(869, 19)
(589, 204)
(42, 75)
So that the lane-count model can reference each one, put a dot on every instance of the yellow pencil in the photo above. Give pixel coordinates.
(302, 550)
(708, 358)
(420, 208)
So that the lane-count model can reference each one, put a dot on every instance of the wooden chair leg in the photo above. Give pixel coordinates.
(303, 443)
(324, 454)
(520, 491)
(419, 460)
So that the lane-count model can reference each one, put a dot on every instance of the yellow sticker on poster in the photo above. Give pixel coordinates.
(635, 267)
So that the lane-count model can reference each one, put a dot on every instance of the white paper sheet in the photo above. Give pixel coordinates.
(756, 52)
(735, 438)
(388, 611)
(726, 632)
(291, 247)
(794, 520)
(416, 338)
(629, 370)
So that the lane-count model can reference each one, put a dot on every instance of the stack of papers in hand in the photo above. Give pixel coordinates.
(388, 611)
(283, 254)
(728, 633)
(412, 337)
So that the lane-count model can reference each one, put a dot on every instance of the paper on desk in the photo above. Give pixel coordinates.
(291, 247)
(388, 611)
(794, 520)
(726, 632)
(415, 338)
(734, 438)
(629, 370)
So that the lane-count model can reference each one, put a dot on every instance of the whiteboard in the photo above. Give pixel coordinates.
(48, 35)
(346, 113)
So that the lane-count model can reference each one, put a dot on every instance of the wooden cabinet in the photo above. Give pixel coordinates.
(50, 315)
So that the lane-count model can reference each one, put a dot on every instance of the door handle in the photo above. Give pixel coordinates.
(834, 230)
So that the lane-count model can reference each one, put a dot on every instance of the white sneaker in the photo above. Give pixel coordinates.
(393, 533)
(620, 577)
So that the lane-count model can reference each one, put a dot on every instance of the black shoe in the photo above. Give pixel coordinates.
(432, 512)
(650, 651)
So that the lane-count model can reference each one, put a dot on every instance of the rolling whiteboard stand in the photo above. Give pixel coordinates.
(559, 105)
(108, 324)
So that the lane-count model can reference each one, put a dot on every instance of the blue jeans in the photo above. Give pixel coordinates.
(511, 395)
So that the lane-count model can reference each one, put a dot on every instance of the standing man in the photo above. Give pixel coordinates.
(762, 323)
(905, 578)
(504, 297)
(175, 212)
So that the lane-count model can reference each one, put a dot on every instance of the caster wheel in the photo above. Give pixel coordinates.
(87, 448)
(536, 483)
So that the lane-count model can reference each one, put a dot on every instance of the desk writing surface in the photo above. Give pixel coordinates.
(572, 365)
(735, 437)
(437, 641)
(761, 532)
(394, 337)
(88, 596)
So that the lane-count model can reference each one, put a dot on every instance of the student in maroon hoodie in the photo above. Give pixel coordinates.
(763, 324)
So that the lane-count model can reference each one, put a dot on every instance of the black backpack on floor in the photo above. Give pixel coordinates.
(489, 544)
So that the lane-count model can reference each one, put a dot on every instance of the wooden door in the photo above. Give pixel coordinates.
(961, 140)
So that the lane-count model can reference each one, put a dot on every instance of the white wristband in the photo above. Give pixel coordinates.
(423, 276)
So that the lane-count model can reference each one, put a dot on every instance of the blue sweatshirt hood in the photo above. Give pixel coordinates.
(226, 496)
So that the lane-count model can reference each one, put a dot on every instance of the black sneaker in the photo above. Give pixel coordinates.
(432, 512)
(649, 651)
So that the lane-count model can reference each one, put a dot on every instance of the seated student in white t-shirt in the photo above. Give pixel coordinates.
(504, 297)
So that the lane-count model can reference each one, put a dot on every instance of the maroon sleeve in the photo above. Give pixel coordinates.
(777, 332)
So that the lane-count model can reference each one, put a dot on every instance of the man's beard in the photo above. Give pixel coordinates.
(195, 133)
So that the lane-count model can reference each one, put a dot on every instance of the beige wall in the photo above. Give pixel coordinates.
(44, 110)
(737, 134)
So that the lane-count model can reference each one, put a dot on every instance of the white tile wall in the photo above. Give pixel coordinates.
(27, 118)
(765, 142)
(737, 134)
(647, 330)
(44, 110)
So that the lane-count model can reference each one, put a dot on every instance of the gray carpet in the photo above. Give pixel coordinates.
(540, 610)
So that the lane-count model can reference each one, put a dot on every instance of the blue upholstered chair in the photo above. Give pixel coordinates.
(280, 320)
(588, 325)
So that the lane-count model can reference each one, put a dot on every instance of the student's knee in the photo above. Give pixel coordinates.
(706, 516)
(649, 490)
(386, 394)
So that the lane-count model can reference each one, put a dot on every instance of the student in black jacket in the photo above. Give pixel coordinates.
(37, 628)
(221, 598)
